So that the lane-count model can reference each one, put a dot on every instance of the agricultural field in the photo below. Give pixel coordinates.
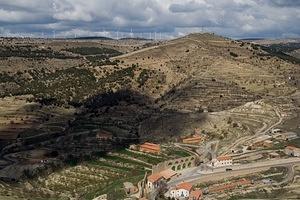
(92, 177)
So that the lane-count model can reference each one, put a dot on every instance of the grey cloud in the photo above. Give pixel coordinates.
(286, 3)
(233, 18)
(190, 6)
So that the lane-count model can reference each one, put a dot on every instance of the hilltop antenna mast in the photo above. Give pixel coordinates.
(54, 35)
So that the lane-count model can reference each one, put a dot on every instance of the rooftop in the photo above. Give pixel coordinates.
(185, 185)
(150, 146)
(193, 137)
(154, 177)
(222, 158)
(168, 173)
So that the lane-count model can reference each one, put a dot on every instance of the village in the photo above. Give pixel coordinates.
(204, 174)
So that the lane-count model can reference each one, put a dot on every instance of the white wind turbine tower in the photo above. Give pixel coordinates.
(55, 9)
(118, 34)
(131, 33)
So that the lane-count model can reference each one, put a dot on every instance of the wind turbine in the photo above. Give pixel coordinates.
(131, 33)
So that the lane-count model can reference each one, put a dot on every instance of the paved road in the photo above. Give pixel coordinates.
(195, 176)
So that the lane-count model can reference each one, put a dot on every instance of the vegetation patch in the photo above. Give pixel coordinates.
(30, 52)
(101, 52)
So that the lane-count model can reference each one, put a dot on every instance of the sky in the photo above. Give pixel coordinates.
(150, 18)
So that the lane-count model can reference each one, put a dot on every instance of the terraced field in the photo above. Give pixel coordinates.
(91, 178)
(20, 118)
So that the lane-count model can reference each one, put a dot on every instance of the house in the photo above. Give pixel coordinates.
(194, 139)
(154, 181)
(195, 195)
(292, 151)
(182, 190)
(222, 161)
(150, 148)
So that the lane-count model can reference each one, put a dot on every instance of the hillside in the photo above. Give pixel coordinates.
(185, 71)
(57, 95)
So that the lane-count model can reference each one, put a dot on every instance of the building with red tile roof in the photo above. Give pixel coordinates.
(182, 190)
(155, 180)
(195, 139)
(222, 161)
(150, 148)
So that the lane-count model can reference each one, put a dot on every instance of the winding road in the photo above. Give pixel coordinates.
(263, 130)
(195, 175)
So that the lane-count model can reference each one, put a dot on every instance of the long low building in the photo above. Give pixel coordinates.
(150, 148)
(156, 180)
(194, 139)
(222, 161)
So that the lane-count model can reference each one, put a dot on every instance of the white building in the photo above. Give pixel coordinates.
(154, 181)
(181, 191)
(292, 151)
(222, 161)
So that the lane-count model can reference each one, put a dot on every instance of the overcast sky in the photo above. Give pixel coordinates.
(232, 18)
